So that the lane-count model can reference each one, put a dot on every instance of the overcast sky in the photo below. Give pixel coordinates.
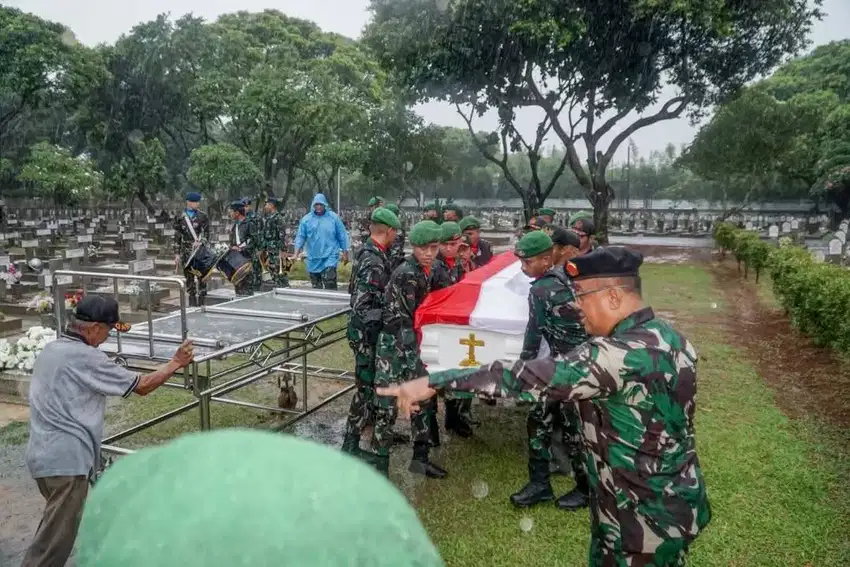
(96, 21)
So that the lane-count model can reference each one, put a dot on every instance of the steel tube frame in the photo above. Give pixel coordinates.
(288, 316)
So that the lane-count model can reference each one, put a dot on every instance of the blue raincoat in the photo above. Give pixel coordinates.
(323, 235)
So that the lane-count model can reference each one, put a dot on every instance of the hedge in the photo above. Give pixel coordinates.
(816, 295)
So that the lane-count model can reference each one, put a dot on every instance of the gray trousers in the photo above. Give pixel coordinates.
(54, 538)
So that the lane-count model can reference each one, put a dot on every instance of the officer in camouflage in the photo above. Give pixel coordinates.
(397, 357)
(191, 229)
(635, 383)
(431, 212)
(452, 212)
(396, 251)
(553, 317)
(369, 276)
(274, 242)
(582, 223)
(373, 204)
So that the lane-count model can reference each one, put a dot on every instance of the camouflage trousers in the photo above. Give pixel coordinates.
(362, 401)
(606, 547)
(326, 279)
(463, 406)
(193, 286)
(273, 260)
(256, 277)
(393, 365)
(541, 422)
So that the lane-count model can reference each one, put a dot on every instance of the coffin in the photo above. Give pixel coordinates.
(477, 321)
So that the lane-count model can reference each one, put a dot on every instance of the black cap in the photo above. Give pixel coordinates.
(94, 308)
(237, 206)
(565, 237)
(274, 201)
(585, 226)
(606, 262)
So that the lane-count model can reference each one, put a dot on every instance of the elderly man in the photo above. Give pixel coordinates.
(635, 383)
(322, 236)
(71, 379)
(482, 252)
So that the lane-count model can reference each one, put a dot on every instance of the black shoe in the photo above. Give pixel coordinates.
(193, 301)
(575, 499)
(400, 438)
(427, 468)
(382, 464)
(202, 299)
(535, 492)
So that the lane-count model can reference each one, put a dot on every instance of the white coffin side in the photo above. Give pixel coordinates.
(441, 349)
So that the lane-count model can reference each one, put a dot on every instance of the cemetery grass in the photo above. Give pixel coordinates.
(14, 433)
(774, 482)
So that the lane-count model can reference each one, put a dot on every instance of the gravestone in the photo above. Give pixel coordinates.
(835, 247)
(842, 236)
(786, 227)
(818, 256)
(749, 225)
(795, 224)
(75, 256)
(773, 231)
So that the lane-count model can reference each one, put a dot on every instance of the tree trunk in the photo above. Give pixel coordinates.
(600, 198)
(143, 198)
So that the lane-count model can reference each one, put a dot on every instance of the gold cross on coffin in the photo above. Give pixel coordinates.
(470, 356)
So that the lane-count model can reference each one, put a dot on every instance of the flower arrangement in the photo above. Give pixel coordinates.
(11, 276)
(73, 298)
(22, 354)
(41, 303)
(221, 248)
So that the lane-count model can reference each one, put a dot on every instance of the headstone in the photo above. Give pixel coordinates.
(786, 227)
(141, 267)
(835, 246)
(842, 236)
(773, 231)
(795, 224)
(749, 225)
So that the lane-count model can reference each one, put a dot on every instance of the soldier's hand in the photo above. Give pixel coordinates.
(409, 394)
(344, 258)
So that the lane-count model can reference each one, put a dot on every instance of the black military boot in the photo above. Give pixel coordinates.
(421, 465)
(578, 497)
(538, 489)
(454, 422)
(434, 431)
(193, 301)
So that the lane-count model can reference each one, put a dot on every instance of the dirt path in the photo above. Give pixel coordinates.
(807, 380)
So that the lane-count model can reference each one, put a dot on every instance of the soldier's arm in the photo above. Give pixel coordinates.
(440, 276)
(368, 297)
(593, 370)
(531, 342)
(571, 319)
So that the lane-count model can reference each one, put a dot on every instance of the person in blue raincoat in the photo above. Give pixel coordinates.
(322, 236)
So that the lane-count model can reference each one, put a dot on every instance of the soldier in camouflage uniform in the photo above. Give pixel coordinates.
(547, 214)
(245, 240)
(191, 228)
(431, 212)
(482, 251)
(582, 223)
(256, 228)
(396, 251)
(274, 242)
(397, 355)
(635, 383)
(452, 212)
(374, 203)
(369, 277)
(448, 270)
(551, 317)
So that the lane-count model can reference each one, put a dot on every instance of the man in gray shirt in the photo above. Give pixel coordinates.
(71, 379)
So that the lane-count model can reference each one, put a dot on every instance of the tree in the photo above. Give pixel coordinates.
(57, 174)
(141, 173)
(223, 167)
(589, 66)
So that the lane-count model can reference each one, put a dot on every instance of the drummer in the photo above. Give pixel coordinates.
(256, 223)
(243, 240)
(191, 229)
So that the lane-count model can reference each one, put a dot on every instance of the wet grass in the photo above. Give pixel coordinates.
(774, 483)
(14, 433)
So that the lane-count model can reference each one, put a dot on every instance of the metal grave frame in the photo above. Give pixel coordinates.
(283, 349)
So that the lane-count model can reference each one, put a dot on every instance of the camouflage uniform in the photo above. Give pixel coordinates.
(553, 318)
(274, 240)
(248, 246)
(368, 282)
(635, 391)
(397, 357)
(183, 245)
(396, 251)
(482, 254)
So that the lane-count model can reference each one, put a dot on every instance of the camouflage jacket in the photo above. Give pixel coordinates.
(482, 254)
(442, 275)
(364, 228)
(369, 276)
(406, 289)
(552, 316)
(635, 391)
(247, 240)
(274, 232)
(183, 239)
(396, 251)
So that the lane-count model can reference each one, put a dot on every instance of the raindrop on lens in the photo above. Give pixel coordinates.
(526, 524)
(480, 490)
(714, 306)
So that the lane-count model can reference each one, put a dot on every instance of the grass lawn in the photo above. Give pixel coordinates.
(773, 483)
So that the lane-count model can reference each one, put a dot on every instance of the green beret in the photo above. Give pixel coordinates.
(469, 223)
(579, 215)
(451, 231)
(455, 208)
(546, 212)
(606, 262)
(392, 207)
(382, 215)
(429, 207)
(240, 497)
(533, 244)
(376, 200)
(424, 233)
